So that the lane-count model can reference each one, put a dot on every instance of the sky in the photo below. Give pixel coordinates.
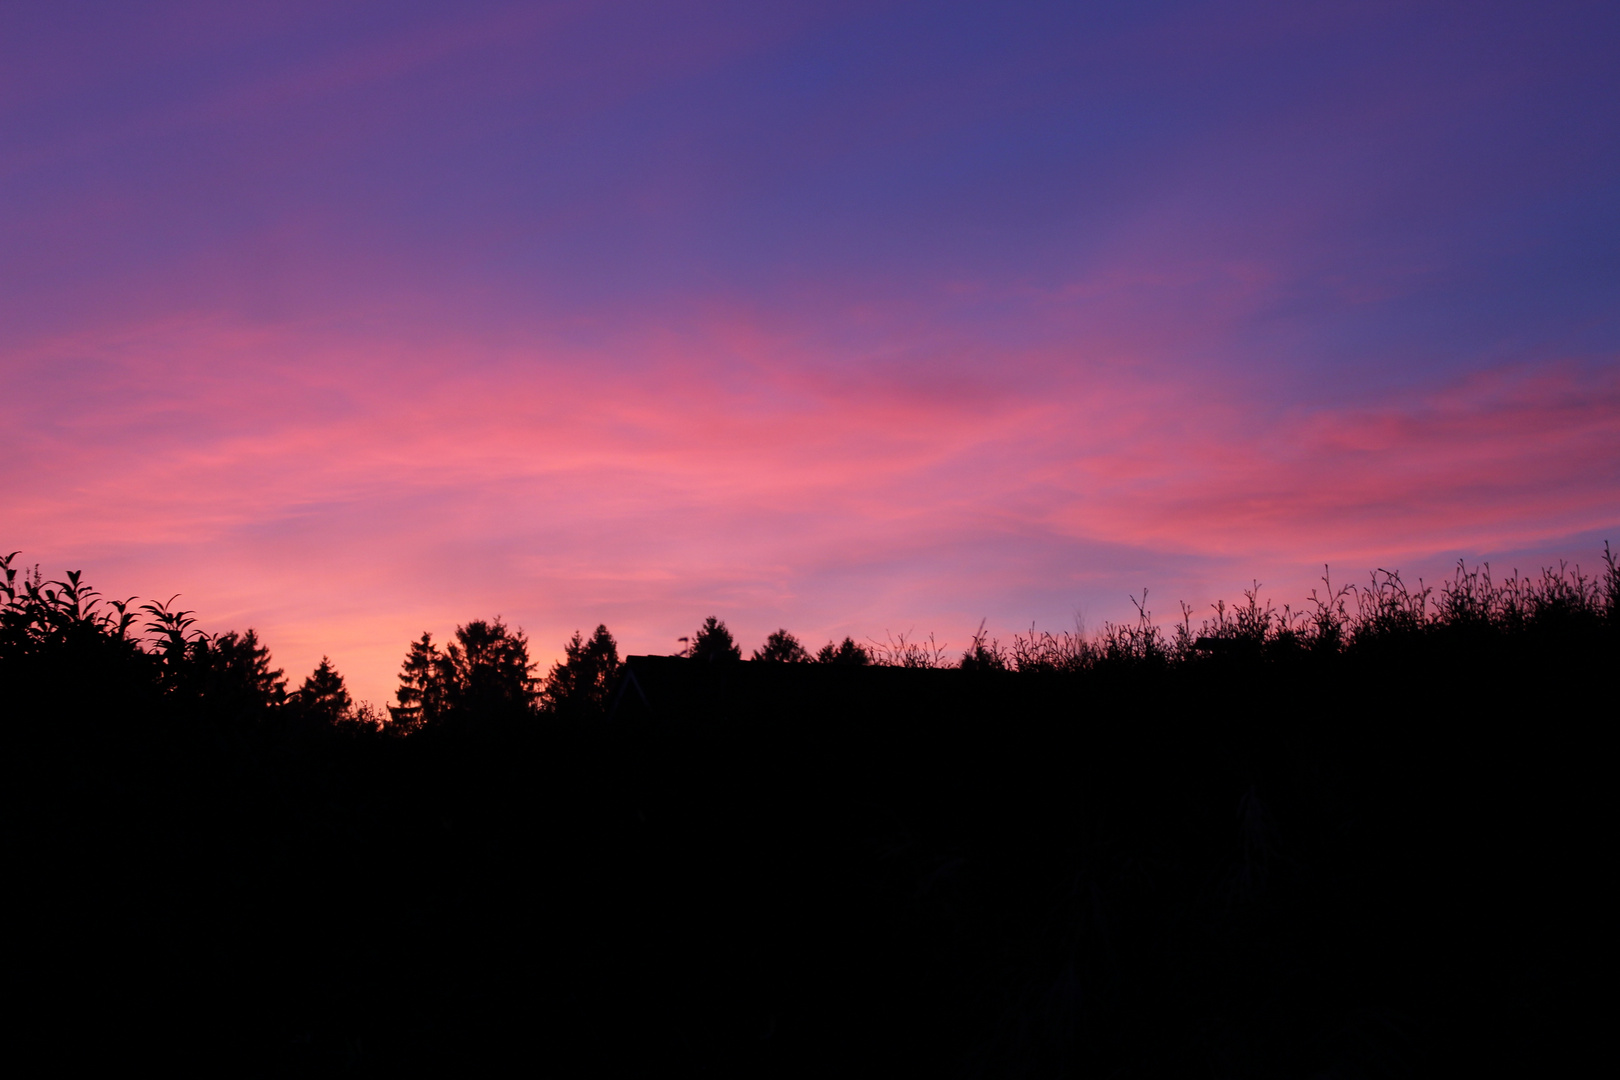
(348, 321)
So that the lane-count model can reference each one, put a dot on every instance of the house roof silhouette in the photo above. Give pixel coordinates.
(673, 688)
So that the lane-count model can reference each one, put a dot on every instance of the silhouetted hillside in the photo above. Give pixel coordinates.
(1359, 842)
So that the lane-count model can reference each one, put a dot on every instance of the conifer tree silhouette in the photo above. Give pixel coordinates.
(484, 671)
(323, 697)
(232, 672)
(421, 687)
(487, 667)
(714, 642)
(783, 647)
(579, 684)
(846, 653)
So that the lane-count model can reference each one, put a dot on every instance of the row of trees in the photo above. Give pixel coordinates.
(484, 670)
(713, 642)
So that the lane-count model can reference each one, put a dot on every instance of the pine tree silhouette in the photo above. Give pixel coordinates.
(579, 683)
(714, 642)
(324, 696)
(421, 691)
(485, 671)
(783, 647)
(487, 668)
(846, 653)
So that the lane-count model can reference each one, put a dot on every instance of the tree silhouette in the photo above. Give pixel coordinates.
(421, 691)
(579, 683)
(483, 673)
(846, 653)
(714, 642)
(323, 697)
(784, 648)
(231, 672)
(488, 668)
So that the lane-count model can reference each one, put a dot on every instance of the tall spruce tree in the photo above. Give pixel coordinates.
(323, 697)
(489, 670)
(714, 642)
(421, 691)
(231, 674)
(483, 673)
(579, 684)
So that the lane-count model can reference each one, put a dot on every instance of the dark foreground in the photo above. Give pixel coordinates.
(1385, 861)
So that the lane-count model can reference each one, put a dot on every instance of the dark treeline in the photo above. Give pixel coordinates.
(1361, 840)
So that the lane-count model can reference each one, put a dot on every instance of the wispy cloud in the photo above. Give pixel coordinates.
(354, 321)
(560, 487)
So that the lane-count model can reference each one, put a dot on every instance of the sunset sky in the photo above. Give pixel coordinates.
(350, 321)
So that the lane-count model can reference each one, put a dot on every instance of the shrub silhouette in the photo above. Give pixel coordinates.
(783, 648)
(65, 622)
(984, 653)
(904, 651)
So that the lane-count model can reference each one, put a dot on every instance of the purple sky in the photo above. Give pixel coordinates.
(351, 321)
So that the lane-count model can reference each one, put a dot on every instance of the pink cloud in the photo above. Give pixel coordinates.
(1492, 460)
(343, 496)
